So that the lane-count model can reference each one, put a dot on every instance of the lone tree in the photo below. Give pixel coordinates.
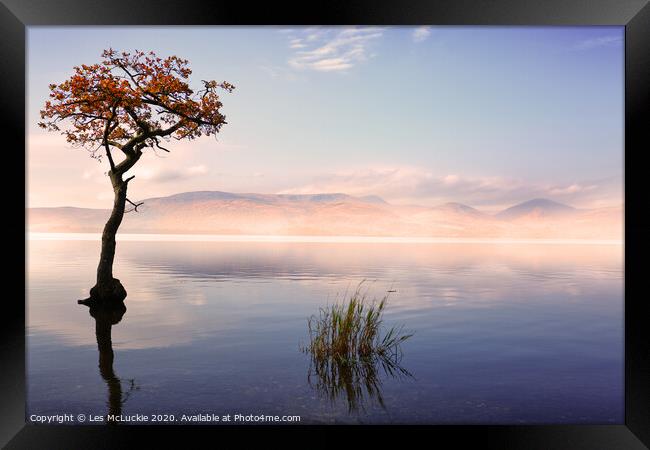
(120, 107)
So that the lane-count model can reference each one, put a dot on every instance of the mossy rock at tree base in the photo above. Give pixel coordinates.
(113, 292)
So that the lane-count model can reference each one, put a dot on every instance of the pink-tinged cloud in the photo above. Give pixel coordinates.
(61, 175)
(414, 185)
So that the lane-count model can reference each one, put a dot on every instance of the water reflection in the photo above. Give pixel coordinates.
(107, 314)
(217, 325)
(359, 382)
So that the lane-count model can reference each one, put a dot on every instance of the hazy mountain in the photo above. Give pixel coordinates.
(214, 212)
(538, 207)
(373, 199)
(202, 196)
(459, 208)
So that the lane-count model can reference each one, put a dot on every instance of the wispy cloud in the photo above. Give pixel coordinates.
(572, 189)
(420, 34)
(164, 175)
(331, 49)
(414, 185)
(601, 41)
(297, 43)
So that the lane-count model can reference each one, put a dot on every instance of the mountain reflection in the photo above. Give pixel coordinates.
(106, 315)
(359, 382)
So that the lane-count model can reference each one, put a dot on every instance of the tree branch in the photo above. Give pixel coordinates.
(139, 122)
(107, 130)
(171, 110)
(128, 162)
(135, 205)
(114, 144)
(157, 144)
(110, 158)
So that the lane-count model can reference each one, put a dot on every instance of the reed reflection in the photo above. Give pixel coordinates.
(359, 382)
(107, 314)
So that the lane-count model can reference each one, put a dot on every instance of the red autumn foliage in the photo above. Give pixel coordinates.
(130, 101)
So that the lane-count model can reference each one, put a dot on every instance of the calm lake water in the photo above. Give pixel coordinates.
(504, 333)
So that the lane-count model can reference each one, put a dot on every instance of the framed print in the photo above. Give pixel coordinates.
(370, 217)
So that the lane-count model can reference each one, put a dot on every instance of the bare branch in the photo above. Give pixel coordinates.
(157, 144)
(135, 205)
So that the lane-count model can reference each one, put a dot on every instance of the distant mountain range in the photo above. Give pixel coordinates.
(214, 212)
(539, 207)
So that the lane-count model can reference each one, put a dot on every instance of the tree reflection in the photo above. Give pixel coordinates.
(107, 314)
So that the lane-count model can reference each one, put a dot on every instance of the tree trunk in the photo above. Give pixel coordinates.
(107, 287)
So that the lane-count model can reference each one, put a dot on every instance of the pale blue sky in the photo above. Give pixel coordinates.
(487, 116)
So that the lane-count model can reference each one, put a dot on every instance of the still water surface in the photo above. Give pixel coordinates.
(504, 333)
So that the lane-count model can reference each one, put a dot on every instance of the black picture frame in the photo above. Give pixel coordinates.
(16, 15)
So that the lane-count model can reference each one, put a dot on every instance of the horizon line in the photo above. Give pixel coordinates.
(158, 237)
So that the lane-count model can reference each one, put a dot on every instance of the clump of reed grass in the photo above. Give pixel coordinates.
(353, 331)
(350, 348)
